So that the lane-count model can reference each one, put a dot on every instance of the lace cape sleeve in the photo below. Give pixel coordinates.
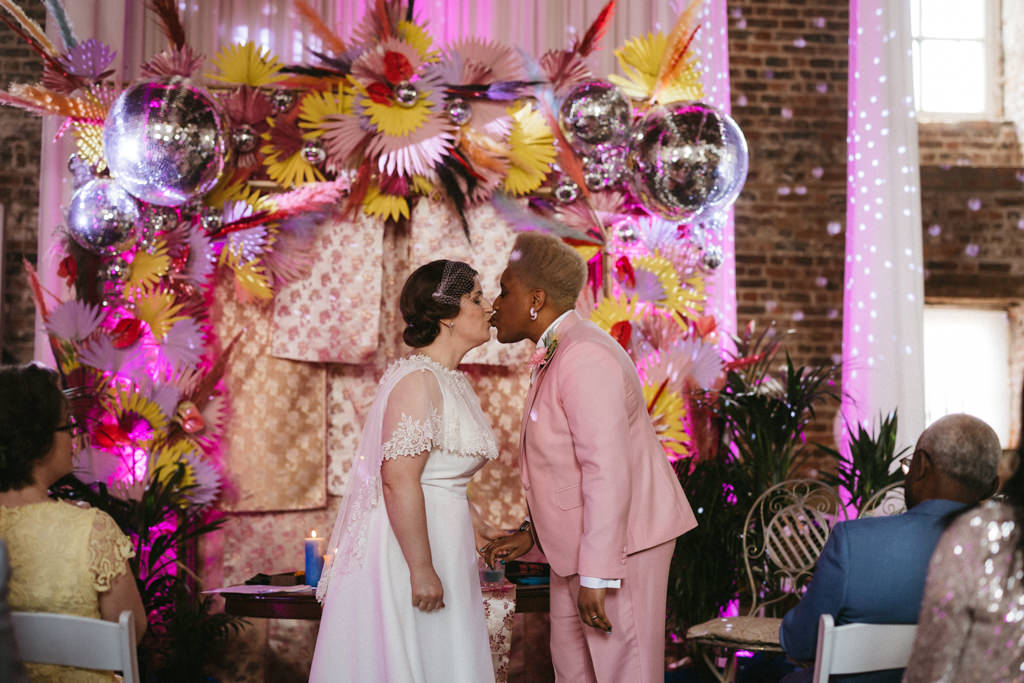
(412, 419)
(109, 548)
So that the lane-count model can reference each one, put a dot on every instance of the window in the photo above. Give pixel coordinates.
(956, 58)
(967, 365)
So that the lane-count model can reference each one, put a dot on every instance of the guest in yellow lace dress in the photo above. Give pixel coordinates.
(64, 558)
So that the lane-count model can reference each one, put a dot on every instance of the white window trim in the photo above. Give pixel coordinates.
(993, 76)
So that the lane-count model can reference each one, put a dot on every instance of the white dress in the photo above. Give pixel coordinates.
(370, 631)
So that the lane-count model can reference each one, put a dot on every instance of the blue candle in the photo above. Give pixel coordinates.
(314, 559)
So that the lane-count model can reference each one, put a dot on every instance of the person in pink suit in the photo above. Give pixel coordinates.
(605, 506)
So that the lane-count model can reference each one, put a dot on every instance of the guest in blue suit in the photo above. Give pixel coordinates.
(873, 570)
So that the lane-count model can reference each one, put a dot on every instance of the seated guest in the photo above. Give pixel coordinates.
(873, 570)
(971, 626)
(64, 558)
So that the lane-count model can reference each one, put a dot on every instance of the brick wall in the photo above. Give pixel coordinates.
(19, 192)
(788, 66)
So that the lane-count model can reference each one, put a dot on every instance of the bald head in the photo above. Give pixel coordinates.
(963, 455)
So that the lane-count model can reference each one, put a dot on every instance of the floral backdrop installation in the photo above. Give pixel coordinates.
(233, 162)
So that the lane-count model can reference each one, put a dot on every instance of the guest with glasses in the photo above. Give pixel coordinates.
(873, 570)
(64, 558)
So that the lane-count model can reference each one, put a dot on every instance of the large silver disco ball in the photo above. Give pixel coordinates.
(102, 216)
(164, 141)
(593, 115)
(687, 158)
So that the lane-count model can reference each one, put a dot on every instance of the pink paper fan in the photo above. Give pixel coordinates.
(371, 68)
(487, 61)
(565, 70)
(74, 320)
(88, 59)
(173, 61)
(182, 346)
(208, 480)
(345, 136)
(101, 354)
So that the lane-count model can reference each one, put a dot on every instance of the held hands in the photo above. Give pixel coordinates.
(427, 591)
(591, 608)
(507, 548)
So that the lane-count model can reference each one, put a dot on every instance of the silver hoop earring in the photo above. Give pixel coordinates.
(533, 313)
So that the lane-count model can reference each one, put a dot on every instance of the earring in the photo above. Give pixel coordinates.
(533, 313)
(450, 326)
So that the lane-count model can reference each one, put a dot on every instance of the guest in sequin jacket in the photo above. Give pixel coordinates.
(971, 626)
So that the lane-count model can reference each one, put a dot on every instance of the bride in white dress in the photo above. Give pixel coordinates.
(401, 593)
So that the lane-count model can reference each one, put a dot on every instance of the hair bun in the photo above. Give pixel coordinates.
(419, 333)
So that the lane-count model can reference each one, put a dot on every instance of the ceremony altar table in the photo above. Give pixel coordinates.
(298, 602)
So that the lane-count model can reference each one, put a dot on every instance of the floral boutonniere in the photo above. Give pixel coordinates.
(542, 356)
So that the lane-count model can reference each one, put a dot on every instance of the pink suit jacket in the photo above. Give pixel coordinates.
(598, 483)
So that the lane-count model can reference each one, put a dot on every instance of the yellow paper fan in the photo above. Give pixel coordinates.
(667, 415)
(239, 191)
(148, 268)
(586, 252)
(531, 150)
(422, 186)
(134, 403)
(616, 309)
(89, 143)
(417, 36)
(252, 278)
(158, 310)
(316, 107)
(387, 206)
(640, 58)
(398, 121)
(687, 298)
(164, 461)
(290, 172)
(247, 64)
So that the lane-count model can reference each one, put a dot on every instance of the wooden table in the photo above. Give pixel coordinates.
(305, 606)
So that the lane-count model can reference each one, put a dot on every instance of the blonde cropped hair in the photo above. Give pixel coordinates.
(541, 261)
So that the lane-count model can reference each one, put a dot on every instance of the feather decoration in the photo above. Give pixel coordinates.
(500, 91)
(677, 51)
(340, 64)
(49, 59)
(37, 288)
(596, 32)
(360, 186)
(45, 101)
(522, 219)
(30, 30)
(60, 15)
(448, 170)
(166, 12)
(319, 28)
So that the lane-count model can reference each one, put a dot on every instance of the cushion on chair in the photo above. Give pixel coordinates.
(755, 633)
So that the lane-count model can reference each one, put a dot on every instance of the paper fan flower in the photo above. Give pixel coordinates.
(658, 282)
(531, 151)
(206, 477)
(386, 206)
(148, 267)
(159, 311)
(89, 59)
(250, 279)
(609, 207)
(89, 144)
(283, 157)
(565, 69)
(489, 161)
(247, 110)
(640, 58)
(74, 320)
(612, 310)
(480, 62)
(95, 465)
(247, 64)
(685, 362)
(668, 411)
(183, 344)
(132, 407)
(166, 460)
(402, 103)
(174, 61)
(100, 353)
(316, 107)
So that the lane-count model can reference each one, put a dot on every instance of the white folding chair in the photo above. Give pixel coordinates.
(68, 640)
(858, 648)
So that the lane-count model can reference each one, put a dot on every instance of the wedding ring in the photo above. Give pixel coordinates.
(593, 617)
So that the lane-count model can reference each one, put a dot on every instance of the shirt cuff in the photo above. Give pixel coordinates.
(591, 582)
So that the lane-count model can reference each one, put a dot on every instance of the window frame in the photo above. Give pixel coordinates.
(992, 43)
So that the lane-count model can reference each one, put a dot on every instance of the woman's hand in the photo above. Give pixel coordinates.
(507, 548)
(427, 591)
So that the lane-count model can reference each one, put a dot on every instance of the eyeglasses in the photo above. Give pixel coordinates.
(907, 459)
(69, 427)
